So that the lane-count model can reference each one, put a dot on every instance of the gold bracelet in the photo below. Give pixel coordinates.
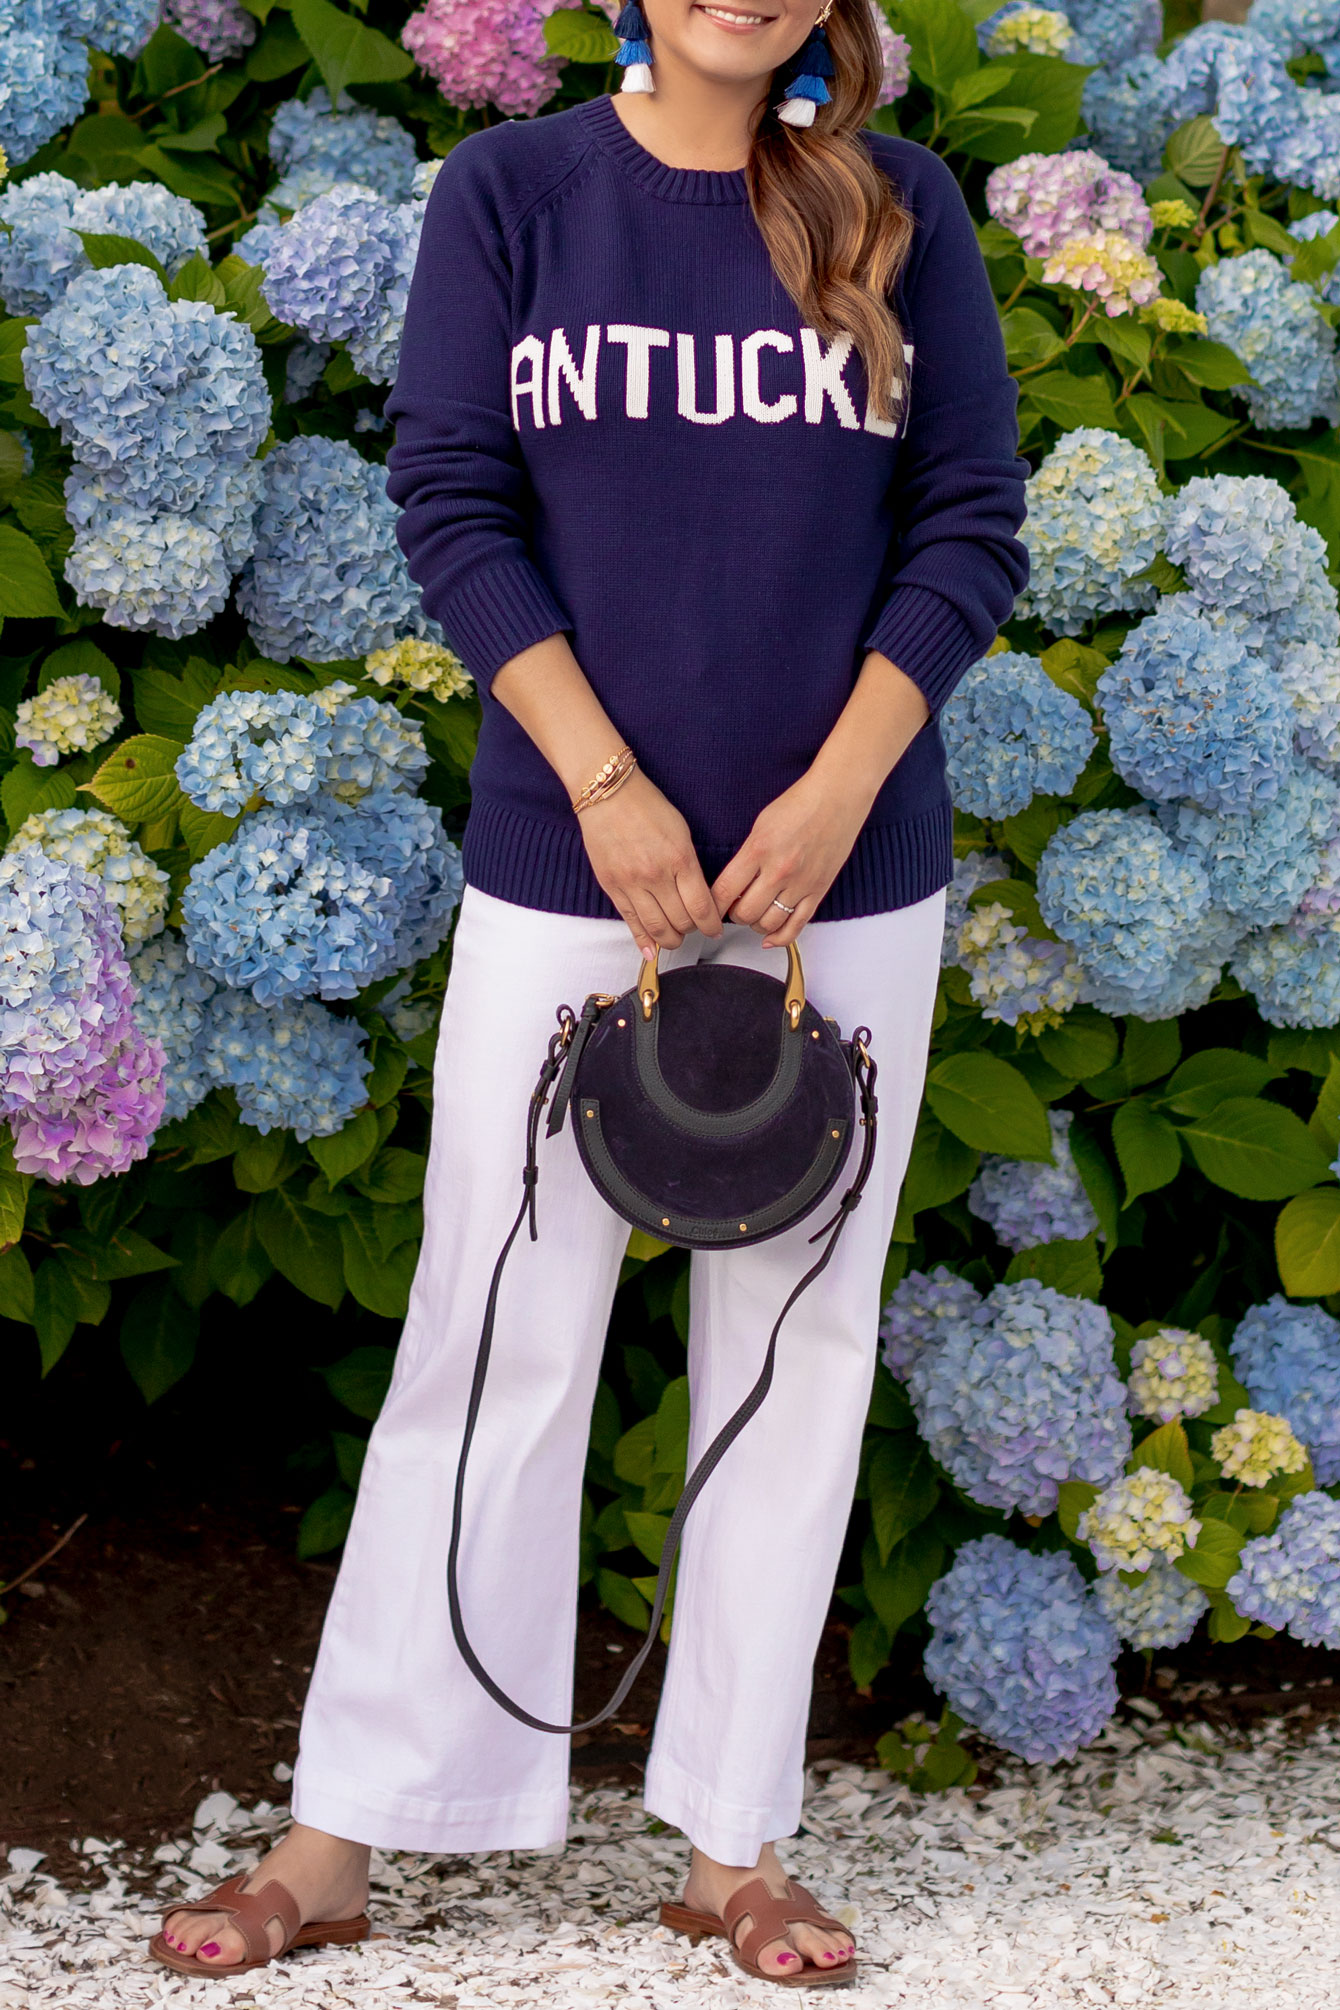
(618, 767)
(613, 786)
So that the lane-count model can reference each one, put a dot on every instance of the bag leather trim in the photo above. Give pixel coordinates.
(716, 1123)
(700, 1231)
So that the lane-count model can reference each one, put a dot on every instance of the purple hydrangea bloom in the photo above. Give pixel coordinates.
(1290, 1578)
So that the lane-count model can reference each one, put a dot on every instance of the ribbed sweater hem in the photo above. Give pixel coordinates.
(533, 862)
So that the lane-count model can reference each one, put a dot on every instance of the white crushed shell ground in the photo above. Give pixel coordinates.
(1162, 1867)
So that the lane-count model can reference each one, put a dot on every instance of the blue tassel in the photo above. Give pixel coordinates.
(813, 58)
(631, 25)
(809, 87)
(633, 52)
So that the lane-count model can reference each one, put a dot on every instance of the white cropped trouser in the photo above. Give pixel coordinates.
(400, 1747)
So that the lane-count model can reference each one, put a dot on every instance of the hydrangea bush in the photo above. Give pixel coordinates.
(233, 774)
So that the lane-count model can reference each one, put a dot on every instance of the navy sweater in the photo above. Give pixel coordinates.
(610, 422)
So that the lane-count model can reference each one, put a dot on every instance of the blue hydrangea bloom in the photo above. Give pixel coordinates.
(285, 910)
(1295, 27)
(1309, 155)
(225, 508)
(921, 1308)
(1191, 715)
(1112, 31)
(399, 838)
(257, 244)
(1311, 676)
(1287, 1357)
(1260, 865)
(164, 573)
(1290, 1578)
(119, 27)
(272, 744)
(1010, 733)
(1240, 544)
(41, 253)
(1095, 520)
(1319, 224)
(303, 367)
(340, 270)
(293, 1067)
(1293, 972)
(1276, 327)
(372, 746)
(1022, 1394)
(1021, 1650)
(170, 997)
(326, 579)
(315, 147)
(1234, 74)
(1159, 1610)
(43, 76)
(152, 394)
(1131, 109)
(1127, 898)
(1026, 1203)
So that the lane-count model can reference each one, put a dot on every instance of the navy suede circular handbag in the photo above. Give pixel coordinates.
(713, 1107)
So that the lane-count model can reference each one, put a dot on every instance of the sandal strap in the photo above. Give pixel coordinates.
(771, 1915)
(251, 1913)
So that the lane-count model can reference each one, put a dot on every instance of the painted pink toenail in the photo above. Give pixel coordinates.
(786, 1957)
(210, 1947)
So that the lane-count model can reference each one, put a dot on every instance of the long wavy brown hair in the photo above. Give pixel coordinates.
(835, 230)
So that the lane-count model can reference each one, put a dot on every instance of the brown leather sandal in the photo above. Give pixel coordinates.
(770, 1916)
(251, 1913)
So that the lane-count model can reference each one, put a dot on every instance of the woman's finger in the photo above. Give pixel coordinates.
(636, 926)
(654, 918)
(670, 900)
(732, 880)
(697, 898)
(755, 907)
(778, 938)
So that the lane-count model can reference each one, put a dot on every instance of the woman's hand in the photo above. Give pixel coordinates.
(795, 851)
(802, 840)
(642, 854)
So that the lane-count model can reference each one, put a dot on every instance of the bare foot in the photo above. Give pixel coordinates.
(327, 1877)
(711, 1884)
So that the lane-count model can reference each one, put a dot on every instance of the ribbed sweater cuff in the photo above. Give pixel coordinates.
(492, 615)
(927, 638)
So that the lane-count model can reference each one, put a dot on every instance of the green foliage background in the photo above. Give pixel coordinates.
(1204, 1143)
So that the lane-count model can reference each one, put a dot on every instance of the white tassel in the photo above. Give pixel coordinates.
(796, 112)
(637, 77)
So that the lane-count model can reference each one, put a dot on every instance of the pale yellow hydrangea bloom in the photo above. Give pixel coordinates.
(1255, 1446)
(422, 666)
(1173, 1374)
(1174, 317)
(72, 715)
(1174, 215)
(1007, 966)
(1031, 31)
(1109, 266)
(1138, 1517)
(100, 845)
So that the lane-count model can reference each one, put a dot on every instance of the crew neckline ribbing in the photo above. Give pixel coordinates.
(672, 184)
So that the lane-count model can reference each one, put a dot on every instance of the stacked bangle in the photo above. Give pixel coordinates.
(606, 780)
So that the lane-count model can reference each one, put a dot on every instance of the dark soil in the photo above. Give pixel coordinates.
(164, 1652)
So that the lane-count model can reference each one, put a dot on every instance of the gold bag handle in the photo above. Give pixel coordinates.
(793, 1004)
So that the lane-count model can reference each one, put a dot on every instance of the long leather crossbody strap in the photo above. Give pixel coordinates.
(865, 1072)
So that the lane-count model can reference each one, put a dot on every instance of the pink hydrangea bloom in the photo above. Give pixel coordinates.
(1047, 199)
(897, 51)
(105, 1126)
(487, 52)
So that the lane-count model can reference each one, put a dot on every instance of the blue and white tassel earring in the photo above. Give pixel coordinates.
(634, 48)
(808, 88)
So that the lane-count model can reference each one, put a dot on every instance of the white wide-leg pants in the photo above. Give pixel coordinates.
(400, 1747)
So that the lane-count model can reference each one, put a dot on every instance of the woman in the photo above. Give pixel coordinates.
(706, 448)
